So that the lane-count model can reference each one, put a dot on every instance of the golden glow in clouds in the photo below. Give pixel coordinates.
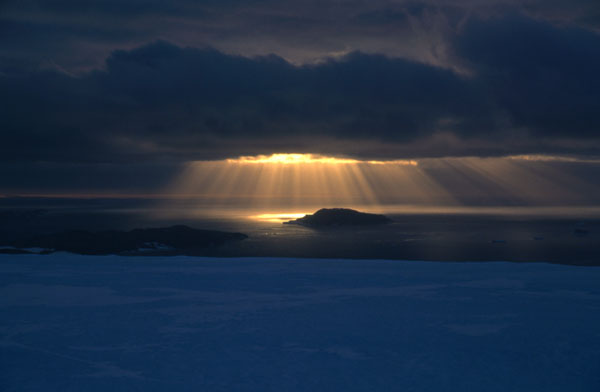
(293, 181)
(307, 182)
(293, 159)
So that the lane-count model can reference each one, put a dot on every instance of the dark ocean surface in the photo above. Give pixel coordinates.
(549, 234)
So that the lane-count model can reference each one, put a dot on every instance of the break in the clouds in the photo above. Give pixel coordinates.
(517, 85)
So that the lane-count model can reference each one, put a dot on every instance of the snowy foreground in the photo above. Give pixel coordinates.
(76, 323)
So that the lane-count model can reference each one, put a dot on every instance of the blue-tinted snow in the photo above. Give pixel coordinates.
(75, 323)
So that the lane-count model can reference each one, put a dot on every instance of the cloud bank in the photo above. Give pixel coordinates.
(129, 82)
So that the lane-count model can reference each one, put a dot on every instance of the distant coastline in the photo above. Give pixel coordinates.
(174, 240)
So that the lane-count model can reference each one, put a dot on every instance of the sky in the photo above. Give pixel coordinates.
(107, 95)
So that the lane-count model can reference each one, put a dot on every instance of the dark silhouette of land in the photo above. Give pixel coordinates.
(328, 217)
(175, 240)
(566, 239)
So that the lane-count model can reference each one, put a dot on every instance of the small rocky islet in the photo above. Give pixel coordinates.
(339, 217)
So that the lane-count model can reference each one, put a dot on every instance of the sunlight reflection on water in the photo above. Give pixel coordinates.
(279, 217)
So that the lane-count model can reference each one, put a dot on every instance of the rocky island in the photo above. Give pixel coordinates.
(333, 217)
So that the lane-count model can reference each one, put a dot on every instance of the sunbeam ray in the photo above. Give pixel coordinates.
(293, 182)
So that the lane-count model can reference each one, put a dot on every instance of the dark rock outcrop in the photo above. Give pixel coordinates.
(331, 217)
(168, 240)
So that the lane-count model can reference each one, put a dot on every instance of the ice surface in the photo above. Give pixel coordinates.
(89, 323)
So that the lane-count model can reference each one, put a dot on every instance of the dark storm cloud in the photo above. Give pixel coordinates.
(527, 87)
(79, 35)
(162, 100)
(91, 89)
(546, 77)
(80, 83)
